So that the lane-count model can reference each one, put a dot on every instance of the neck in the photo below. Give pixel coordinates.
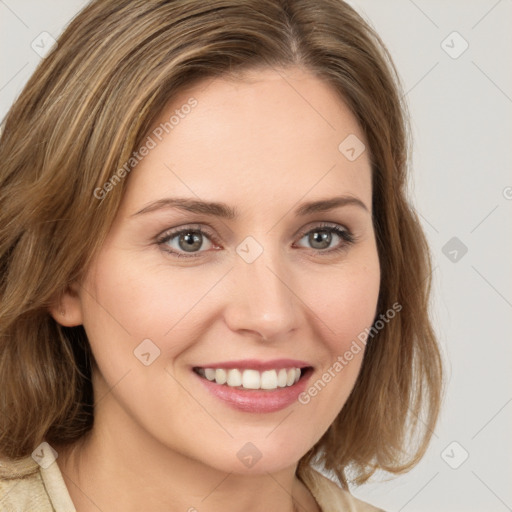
(125, 469)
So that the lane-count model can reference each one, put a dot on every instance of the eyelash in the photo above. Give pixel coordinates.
(347, 236)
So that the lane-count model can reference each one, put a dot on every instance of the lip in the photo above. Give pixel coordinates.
(255, 364)
(257, 400)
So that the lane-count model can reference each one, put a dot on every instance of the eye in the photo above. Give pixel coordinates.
(321, 237)
(191, 241)
(186, 242)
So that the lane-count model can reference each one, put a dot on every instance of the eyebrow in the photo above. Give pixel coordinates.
(227, 212)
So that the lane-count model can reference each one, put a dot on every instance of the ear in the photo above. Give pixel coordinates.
(67, 308)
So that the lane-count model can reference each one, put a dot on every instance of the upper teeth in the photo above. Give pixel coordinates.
(252, 379)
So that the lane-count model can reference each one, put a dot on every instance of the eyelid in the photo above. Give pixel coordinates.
(320, 225)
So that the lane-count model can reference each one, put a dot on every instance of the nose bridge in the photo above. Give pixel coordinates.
(263, 301)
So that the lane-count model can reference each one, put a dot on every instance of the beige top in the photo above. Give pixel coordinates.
(25, 486)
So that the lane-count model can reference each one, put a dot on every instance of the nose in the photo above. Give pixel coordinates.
(262, 300)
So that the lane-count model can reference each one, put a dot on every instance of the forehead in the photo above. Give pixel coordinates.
(267, 134)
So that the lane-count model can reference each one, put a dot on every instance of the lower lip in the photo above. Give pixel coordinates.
(257, 400)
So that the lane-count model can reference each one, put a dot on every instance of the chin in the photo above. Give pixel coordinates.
(258, 456)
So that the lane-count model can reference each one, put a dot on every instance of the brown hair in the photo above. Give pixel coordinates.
(85, 110)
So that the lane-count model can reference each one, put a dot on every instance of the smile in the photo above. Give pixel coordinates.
(251, 378)
(255, 386)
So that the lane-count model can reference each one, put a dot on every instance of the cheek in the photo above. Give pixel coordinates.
(345, 300)
(131, 300)
(345, 308)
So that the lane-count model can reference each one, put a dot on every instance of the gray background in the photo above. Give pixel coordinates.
(461, 185)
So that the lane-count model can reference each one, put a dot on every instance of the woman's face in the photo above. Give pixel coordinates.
(263, 282)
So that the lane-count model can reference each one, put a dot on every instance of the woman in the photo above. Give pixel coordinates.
(212, 280)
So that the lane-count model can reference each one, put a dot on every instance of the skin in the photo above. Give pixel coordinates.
(262, 144)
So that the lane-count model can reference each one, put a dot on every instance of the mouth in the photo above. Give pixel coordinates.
(252, 379)
(255, 386)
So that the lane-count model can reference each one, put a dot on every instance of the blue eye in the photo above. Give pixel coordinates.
(190, 242)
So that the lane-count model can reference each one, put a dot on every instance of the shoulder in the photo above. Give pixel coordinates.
(25, 486)
(330, 497)
(21, 486)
